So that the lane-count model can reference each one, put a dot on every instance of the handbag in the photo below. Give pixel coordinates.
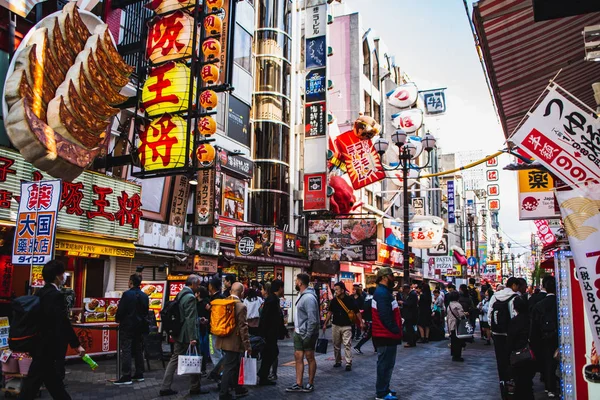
(190, 363)
(322, 345)
(520, 356)
(247, 375)
(351, 314)
(464, 329)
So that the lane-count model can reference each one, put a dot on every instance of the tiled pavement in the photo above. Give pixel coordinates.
(424, 372)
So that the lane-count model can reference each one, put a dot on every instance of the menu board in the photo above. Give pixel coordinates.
(100, 309)
(174, 288)
(156, 295)
(350, 239)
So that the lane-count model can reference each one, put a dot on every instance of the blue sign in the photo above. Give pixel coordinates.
(316, 52)
(435, 101)
(472, 261)
(316, 85)
(451, 205)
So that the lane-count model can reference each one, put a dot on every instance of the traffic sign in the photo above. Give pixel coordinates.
(472, 261)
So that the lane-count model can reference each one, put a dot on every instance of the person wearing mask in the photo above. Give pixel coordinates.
(132, 316)
(387, 332)
(203, 300)
(56, 333)
(306, 333)
(500, 312)
(367, 315)
(188, 337)
(516, 340)
(455, 312)
(214, 291)
(424, 312)
(253, 303)
(233, 346)
(340, 311)
(272, 329)
(359, 299)
(229, 280)
(544, 334)
(451, 288)
(484, 308)
(410, 314)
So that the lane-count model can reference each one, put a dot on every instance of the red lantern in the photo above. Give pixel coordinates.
(213, 25)
(210, 73)
(205, 154)
(211, 48)
(214, 4)
(208, 99)
(207, 126)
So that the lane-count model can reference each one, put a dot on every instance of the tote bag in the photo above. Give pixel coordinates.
(190, 363)
(464, 329)
(248, 371)
(322, 345)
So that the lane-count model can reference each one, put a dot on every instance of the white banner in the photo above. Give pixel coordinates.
(581, 216)
(409, 120)
(316, 21)
(564, 138)
(403, 96)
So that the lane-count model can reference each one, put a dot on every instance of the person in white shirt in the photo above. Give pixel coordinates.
(253, 302)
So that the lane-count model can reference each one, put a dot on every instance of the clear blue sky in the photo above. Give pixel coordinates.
(433, 43)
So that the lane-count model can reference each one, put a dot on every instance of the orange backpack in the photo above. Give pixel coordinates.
(222, 317)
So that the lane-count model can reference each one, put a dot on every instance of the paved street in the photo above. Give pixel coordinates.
(424, 372)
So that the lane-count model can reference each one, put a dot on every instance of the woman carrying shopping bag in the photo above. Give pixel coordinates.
(455, 313)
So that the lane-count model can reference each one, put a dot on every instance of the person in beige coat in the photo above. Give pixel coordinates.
(455, 312)
(233, 345)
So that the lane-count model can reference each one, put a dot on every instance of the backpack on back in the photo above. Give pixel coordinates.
(501, 315)
(25, 326)
(474, 296)
(170, 317)
(222, 317)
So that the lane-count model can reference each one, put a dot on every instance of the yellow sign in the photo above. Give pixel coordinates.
(37, 280)
(162, 144)
(128, 250)
(457, 271)
(533, 180)
(170, 37)
(167, 89)
(3, 322)
(536, 195)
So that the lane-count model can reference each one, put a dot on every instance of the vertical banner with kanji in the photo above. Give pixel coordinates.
(6, 275)
(36, 222)
(581, 215)
(205, 197)
(362, 161)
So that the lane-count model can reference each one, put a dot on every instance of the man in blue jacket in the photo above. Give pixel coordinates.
(387, 332)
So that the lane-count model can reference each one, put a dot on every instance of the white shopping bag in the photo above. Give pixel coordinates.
(248, 371)
(190, 363)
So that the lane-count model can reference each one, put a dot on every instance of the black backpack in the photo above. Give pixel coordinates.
(25, 327)
(170, 317)
(501, 315)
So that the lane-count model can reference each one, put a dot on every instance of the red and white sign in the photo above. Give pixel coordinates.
(544, 232)
(362, 161)
(408, 120)
(389, 256)
(315, 192)
(564, 138)
(493, 204)
(403, 96)
(492, 162)
(492, 175)
(493, 190)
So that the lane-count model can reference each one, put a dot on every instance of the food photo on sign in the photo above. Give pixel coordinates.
(343, 239)
(233, 198)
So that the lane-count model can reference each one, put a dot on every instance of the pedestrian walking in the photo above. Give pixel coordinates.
(500, 312)
(544, 334)
(424, 312)
(344, 313)
(306, 332)
(465, 300)
(475, 299)
(272, 329)
(484, 308)
(451, 288)
(56, 333)
(216, 355)
(517, 340)
(359, 298)
(253, 302)
(387, 332)
(229, 280)
(203, 306)
(438, 331)
(187, 337)
(410, 313)
(367, 316)
(132, 316)
(524, 295)
(233, 346)
(455, 313)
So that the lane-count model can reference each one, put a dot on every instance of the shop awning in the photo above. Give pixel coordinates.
(86, 246)
(522, 55)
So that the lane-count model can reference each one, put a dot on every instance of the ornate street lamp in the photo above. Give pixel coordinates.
(407, 151)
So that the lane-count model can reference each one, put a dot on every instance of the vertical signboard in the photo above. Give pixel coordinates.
(179, 201)
(451, 205)
(418, 204)
(315, 192)
(205, 197)
(36, 222)
(536, 195)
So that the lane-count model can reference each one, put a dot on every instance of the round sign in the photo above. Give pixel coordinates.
(246, 246)
(472, 261)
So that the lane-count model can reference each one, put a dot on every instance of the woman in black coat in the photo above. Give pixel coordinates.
(424, 313)
(465, 300)
(517, 340)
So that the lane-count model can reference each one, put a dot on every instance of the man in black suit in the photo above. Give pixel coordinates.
(132, 317)
(272, 329)
(409, 313)
(55, 333)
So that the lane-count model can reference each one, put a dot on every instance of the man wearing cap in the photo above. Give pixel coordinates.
(387, 332)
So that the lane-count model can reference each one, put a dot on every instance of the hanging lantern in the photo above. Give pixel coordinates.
(170, 37)
(207, 126)
(213, 25)
(214, 5)
(205, 154)
(211, 48)
(208, 99)
(164, 6)
(162, 144)
(210, 73)
(167, 89)
(403, 96)
(409, 120)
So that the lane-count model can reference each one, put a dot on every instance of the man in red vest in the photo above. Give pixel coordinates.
(387, 332)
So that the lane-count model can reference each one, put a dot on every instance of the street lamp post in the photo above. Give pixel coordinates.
(512, 257)
(473, 229)
(501, 248)
(508, 257)
(407, 151)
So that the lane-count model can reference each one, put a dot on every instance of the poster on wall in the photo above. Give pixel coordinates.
(255, 241)
(315, 192)
(343, 239)
(238, 121)
(205, 197)
(233, 197)
(156, 291)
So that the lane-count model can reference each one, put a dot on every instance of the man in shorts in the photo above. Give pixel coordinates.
(306, 332)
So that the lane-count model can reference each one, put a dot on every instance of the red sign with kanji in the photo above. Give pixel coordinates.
(362, 161)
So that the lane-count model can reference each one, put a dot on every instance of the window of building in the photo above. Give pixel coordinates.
(242, 52)
(367, 59)
(377, 112)
(369, 197)
(379, 202)
(375, 79)
(367, 104)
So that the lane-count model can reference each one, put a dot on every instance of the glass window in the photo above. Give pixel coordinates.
(375, 79)
(242, 82)
(368, 104)
(377, 112)
(366, 59)
(242, 53)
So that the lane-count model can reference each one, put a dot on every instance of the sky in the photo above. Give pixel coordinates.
(433, 43)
